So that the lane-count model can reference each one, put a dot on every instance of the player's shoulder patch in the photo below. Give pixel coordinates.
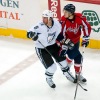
(41, 24)
(36, 27)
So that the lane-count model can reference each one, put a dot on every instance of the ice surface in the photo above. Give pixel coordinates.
(30, 83)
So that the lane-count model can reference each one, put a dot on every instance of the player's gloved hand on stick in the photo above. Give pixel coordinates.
(68, 44)
(85, 41)
(63, 51)
(32, 35)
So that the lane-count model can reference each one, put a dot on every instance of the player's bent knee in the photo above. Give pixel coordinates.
(78, 59)
(52, 68)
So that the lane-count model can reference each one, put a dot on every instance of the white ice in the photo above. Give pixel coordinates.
(30, 83)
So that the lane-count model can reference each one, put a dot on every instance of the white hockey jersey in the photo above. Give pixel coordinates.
(47, 36)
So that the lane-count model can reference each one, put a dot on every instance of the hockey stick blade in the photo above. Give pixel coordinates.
(82, 87)
(77, 88)
(79, 84)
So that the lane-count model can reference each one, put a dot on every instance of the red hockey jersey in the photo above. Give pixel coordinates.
(72, 28)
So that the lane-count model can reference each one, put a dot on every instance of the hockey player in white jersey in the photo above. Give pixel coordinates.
(46, 32)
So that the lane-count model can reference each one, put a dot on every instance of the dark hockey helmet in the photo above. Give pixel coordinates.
(70, 8)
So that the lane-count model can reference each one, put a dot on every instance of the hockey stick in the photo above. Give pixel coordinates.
(79, 76)
(61, 65)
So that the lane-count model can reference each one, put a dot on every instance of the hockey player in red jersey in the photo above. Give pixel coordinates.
(72, 26)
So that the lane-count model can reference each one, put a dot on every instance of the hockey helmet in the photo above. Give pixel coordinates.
(47, 13)
(70, 8)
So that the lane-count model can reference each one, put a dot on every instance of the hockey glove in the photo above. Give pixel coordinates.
(69, 44)
(63, 50)
(85, 41)
(32, 35)
(62, 53)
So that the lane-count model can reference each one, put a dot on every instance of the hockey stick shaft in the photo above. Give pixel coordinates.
(79, 76)
(48, 52)
(60, 64)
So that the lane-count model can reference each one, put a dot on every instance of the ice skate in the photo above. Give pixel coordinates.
(50, 82)
(81, 78)
(70, 77)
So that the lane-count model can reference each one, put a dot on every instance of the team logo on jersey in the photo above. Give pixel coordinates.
(73, 29)
(51, 36)
(36, 27)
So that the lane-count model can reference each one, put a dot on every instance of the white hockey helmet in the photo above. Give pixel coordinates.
(47, 13)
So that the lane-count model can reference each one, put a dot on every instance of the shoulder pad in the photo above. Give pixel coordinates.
(63, 18)
(80, 15)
